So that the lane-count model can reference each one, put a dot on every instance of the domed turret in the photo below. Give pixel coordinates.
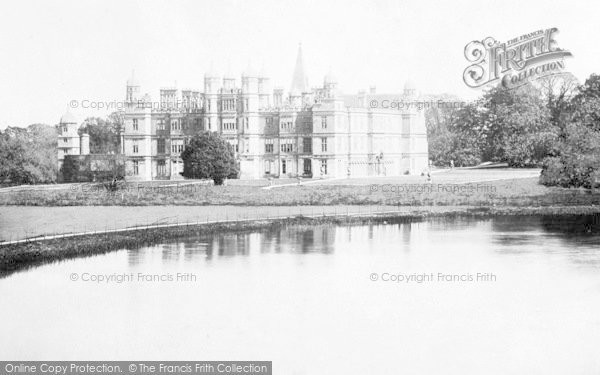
(330, 78)
(229, 80)
(68, 118)
(211, 81)
(250, 80)
(68, 139)
(262, 73)
(229, 75)
(211, 73)
(250, 72)
(330, 85)
(133, 89)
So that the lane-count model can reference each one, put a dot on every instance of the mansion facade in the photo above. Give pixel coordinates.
(307, 132)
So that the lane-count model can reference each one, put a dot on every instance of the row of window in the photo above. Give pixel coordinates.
(269, 167)
(230, 125)
(286, 145)
(161, 167)
(286, 125)
(228, 105)
(177, 146)
(289, 125)
(160, 124)
(177, 124)
(307, 167)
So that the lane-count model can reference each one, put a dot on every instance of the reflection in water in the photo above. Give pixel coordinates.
(302, 296)
(516, 231)
(319, 239)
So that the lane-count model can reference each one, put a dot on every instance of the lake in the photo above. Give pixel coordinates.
(508, 295)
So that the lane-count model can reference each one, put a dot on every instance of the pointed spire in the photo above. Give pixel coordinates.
(299, 80)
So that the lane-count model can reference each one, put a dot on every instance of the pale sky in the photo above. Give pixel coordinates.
(55, 52)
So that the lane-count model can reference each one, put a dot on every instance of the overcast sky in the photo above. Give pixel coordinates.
(55, 52)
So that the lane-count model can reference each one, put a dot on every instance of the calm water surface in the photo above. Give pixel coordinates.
(304, 297)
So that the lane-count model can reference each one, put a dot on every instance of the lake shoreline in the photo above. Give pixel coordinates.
(19, 256)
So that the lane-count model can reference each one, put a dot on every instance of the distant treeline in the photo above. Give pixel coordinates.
(29, 155)
(553, 123)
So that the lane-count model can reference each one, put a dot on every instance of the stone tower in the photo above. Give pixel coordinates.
(264, 89)
(249, 126)
(132, 94)
(211, 92)
(68, 138)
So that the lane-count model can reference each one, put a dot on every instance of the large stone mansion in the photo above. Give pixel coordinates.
(307, 132)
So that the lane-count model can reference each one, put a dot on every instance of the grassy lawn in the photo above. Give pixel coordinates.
(449, 190)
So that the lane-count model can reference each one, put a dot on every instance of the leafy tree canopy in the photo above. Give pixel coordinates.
(208, 155)
(28, 155)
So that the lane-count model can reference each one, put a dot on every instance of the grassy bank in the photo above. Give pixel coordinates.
(20, 256)
(524, 192)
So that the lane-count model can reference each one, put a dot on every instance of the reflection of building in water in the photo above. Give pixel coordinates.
(184, 251)
(320, 239)
(229, 244)
(406, 230)
(313, 239)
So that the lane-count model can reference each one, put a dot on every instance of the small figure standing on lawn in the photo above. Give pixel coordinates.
(451, 164)
(428, 176)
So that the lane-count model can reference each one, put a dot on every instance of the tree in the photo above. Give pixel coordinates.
(117, 119)
(209, 156)
(504, 125)
(447, 142)
(453, 134)
(585, 106)
(516, 126)
(104, 133)
(576, 162)
(557, 91)
(28, 155)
